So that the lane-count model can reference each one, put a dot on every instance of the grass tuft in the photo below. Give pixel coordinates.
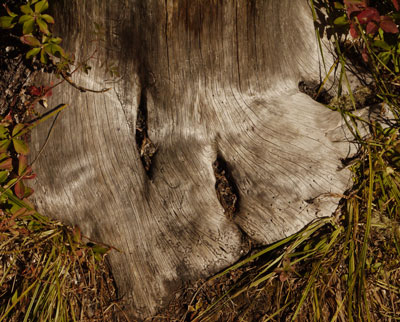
(49, 273)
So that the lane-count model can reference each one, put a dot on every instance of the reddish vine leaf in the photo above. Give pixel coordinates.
(19, 189)
(353, 31)
(372, 28)
(353, 6)
(35, 91)
(45, 91)
(388, 25)
(396, 4)
(367, 15)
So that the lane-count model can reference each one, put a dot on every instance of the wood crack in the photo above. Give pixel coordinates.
(225, 187)
(145, 146)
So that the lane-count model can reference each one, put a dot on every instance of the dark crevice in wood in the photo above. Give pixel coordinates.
(364, 96)
(312, 88)
(145, 146)
(225, 187)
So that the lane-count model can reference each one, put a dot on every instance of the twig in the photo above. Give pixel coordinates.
(81, 88)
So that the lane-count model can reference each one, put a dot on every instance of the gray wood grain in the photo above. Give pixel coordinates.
(219, 77)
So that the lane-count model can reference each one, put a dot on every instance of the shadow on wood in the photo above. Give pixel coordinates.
(218, 79)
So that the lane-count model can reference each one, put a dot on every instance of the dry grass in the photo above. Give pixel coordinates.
(49, 273)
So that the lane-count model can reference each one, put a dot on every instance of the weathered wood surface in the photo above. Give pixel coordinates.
(219, 77)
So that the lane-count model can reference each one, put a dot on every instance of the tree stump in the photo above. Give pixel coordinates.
(204, 144)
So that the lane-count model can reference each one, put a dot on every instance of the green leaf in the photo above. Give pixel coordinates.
(4, 144)
(54, 50)
(17, 129)
(341, 21)
(6, 22)
(338, 5)
(97, 249)
(32, 52)
(14, 298)
(384, 57)
(10, 13)
(4, 132)
(381, 44)
(22, 164)
(3, 156)
(43, 57)
(10, 183)
(20, 146)
(28, 192)
(6, 164)
(42, 26)
(30, 40)
(56, 40)
(26, 9)
(381, 34)
(28, 26)
(41, 6)
(48, 18)
(4, 175)
(25, 18)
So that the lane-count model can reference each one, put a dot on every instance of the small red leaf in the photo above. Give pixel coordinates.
(29, 174)
(367, 15)
(388, 25)
(283, 277)
(372, 28)
(396, 4)
(35, 91)
(353, 31)
(353, 6)
(19, 189)
(8, 118)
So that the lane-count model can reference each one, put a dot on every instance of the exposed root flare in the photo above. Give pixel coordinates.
(225, 187)
(145, 146)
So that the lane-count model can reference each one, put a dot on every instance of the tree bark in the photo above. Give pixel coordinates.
(200, 82)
